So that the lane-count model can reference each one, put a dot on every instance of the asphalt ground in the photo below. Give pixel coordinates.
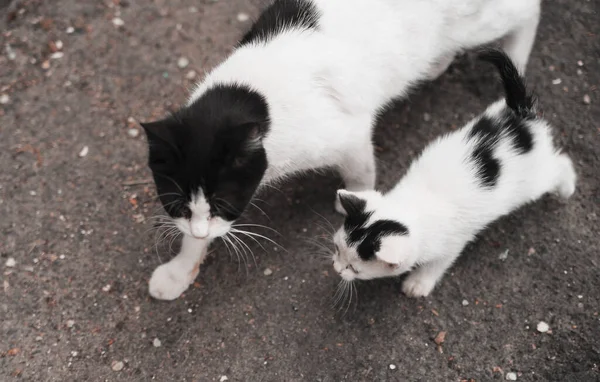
(77, 245)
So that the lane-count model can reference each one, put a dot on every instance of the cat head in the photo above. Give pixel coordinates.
(371, 244)
(207, 159)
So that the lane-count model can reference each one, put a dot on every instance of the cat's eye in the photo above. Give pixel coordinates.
(337, 249)
(186, 212)
(352, 268)
(239, 162)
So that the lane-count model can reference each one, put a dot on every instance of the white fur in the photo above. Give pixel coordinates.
(444, 206)
(325, 88)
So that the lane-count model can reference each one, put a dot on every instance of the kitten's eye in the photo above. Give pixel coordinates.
(352, 268)
(337, 249)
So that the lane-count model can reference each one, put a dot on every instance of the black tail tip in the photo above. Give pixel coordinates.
(515, 90)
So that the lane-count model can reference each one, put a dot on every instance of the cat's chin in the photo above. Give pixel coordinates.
(218, 227)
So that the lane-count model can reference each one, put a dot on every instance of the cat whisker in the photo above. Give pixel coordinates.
(258, 226)
(235, 230)
(260, 209)
(248, 248)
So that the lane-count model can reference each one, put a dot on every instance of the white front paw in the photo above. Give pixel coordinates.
(418, 285)
(170, 280)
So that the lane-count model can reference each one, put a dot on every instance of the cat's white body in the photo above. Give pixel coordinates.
(325, 87)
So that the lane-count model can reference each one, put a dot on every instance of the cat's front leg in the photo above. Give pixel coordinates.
(422, 280)
(170, 280)
(357, 171)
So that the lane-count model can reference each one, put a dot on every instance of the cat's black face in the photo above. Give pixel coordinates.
(208, 158)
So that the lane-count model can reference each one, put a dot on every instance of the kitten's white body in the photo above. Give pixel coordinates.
(325, 87)
(444, 206)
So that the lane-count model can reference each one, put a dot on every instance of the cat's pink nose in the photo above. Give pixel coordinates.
(199, 229)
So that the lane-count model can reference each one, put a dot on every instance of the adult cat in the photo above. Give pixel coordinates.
(302, 90)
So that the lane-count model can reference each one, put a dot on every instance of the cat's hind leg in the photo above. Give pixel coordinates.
(171, 279)
(358, 171)
(518, 43)
(440, 66)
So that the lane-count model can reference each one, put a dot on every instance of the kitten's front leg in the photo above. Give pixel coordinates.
(422, 280)
(358, 172)
(170, 280)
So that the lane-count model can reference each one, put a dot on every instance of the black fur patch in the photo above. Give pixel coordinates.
(215, 144)
(368, 238)
(489, 133)
(282, 15)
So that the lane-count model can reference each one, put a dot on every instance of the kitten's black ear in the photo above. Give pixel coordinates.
(351, 203)
(160, 131)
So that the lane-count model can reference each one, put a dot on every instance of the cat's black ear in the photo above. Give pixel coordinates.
(160, 131)
(351, 203)
(254, 133)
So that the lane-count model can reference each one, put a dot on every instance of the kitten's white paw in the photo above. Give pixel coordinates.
(170, 280)
(418, 285)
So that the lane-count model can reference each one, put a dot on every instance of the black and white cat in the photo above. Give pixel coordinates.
(302, 90)
(462, 182)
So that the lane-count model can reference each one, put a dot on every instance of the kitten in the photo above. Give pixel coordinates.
(301, 91)
(462, 182)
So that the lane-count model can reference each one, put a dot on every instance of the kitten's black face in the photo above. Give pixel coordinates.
(208, 158)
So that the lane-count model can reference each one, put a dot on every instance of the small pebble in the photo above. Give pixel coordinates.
(511, 376)
(586, 99)
(46, 65)
(57, 55)
(223, 378)
(392, 366)
(106, 288)
(189, 311)
(579, 72)
(62, 257)
(504, 255)
(10, 52)
(59, 44)
(193, 10)
(191, 75)
(542, 327)
(84, 151)
(426, 117)
(133, 133)
(156, 343)
(465, 302)
(39, 338)
(183, 62)
(11, 262)
(32, 193)
(556, 81)
(579, 63)
(580, 296)
(70, 323)
(117, 366)
(4, 99)
(118, 22)
(70, 30)
(268, 272)
(242, 17)
(74, 353)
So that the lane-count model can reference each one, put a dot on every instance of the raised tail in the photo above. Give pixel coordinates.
(517, 97)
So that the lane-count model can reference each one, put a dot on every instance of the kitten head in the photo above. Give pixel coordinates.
(208, 158)
(371, 243)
